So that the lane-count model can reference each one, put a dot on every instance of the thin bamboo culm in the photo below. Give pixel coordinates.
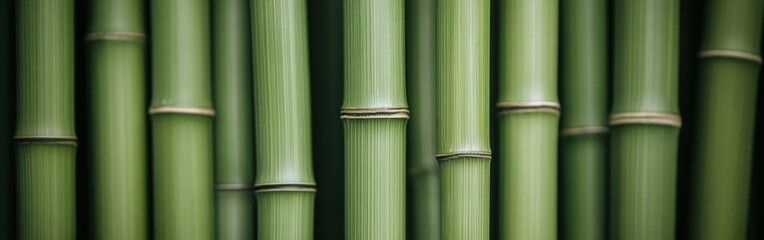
(45, 137)
(7, 114)
(645, 119)
(234, 140)
(729, 74)
(375, 113)
(463, 146)
(584, 120)
(285, 186)
(116, 43)
(181, 117)
(423, 168)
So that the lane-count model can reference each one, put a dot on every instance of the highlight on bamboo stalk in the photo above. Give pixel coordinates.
(730, 62)
(375, 113)
(583, 147)
(45, 136)
(285, 186)
(645, 119)
(181, 117)
(463, 144)
(234, 140)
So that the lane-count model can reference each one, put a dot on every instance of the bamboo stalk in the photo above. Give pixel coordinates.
(584, 121)
(116, 49)
(730, 64)
(284, 185)
(645, 119)
(529, 116)
(421, 72)
(45, 135)
(375, 112)
(463, 148)
(7, 113)
(234, 157)
(181, 116)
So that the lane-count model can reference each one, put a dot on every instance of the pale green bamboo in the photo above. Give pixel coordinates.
(463, 148)
(7, 113)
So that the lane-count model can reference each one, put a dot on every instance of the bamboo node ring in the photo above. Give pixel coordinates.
(285, 187)
(653, 118)
(730, 54)
(418, 171)
(54, 140)
(457, 155)
(528, 107)
(374, 113)
(116, 36)
(233, 186)
(182, 110)
(580, 131)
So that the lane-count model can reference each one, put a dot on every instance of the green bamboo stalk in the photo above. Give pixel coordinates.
(529, 116)
(45, 136)
(7, 113)
(645, 119)
(234, 158)
(181, 116)
(463, 144)
(730, 64)
(375, 112)
(284, 185)
(421, 72)
(116, 59)
(584, 121)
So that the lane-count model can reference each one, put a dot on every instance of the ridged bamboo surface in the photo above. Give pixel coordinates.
(235, 215)
(463, 43)
(119, 155)
(285, 214)
(727, 106)
(7, 115)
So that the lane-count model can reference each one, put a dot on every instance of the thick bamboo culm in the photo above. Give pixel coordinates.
(7, 113)
(375, 113)
(645, 119)
(45, 136)
(116, 48)
(234, 156)
(285, 186)
(529, 113)
(423, 168)
(181, 117)
(729, 74)
(463, 147)
(584, 129)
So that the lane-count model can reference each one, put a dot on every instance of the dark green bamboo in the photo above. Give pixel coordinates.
(45, 137)
(423, 168)
(116, 65)
(284, 185)
(375, 113)
(645, 119)
(234, 140)
(730, 64)
(181, 117)
(584, 119)
(7, 113)
(463, 144)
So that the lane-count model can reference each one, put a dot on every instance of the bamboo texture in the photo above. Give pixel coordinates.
(45, 135)
(181, 118)
(729, 74)
(234, 134)
(463, 148)
(374, 112)
(529, 115)
(645, 119)
(423, 167)
(285, 186)
(7, 113)
(584, 119)
(116, 62)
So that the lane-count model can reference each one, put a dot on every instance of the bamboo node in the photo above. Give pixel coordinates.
(580, 131)
(53, 140)
(528, 107)
(374, 113)
(730, 54)
(466, 154)
(286, 187)
(654, 118)
(116, 36)
(418, 171)
(182, 110)
(233, 186)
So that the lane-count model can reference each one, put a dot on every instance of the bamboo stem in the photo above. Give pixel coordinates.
(645, 119)
(374, 112)
(181, 117)
(730, 64)
(285, 185)
(463, 148)
(45, 135)
(7, 114)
